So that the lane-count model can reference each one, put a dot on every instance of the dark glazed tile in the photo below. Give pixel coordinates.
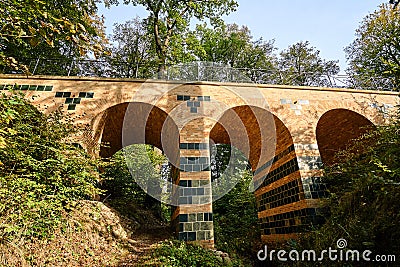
(71, 107)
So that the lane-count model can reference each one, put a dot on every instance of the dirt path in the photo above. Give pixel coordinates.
(142, 242)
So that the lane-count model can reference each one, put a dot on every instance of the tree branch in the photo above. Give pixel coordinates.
(170, 28)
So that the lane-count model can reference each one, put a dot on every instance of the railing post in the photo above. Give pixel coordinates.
(70, 68)
(37, 63)
(329, 79)
(198, 70)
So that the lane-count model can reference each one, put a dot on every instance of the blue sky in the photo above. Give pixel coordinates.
(327, 25)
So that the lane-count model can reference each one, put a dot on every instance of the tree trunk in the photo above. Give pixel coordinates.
(162, 70)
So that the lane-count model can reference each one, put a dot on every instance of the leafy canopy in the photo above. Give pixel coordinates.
(231, 44)
(301, 64)
(375, 53)
(36, 28)
(169, 18)
(132, 53)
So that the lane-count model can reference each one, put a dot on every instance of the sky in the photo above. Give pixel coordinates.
(328, 25)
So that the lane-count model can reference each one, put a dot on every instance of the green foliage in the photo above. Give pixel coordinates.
(121, 182)
(375, 53)
(129, 174)
(177, 253)
(43, 28)
(365, 190)
(232, 45)
(236, 221)
(227, 159)
(133, 45)
(236, 227)
(118, 181)
(301, 64)
(169, 18)
(40, 174)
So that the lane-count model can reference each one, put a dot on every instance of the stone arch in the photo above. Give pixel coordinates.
(133, 123)
(336, 129)
(283, 210)
(138, 123)
(244, 127)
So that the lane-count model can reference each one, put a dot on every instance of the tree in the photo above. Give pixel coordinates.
(37, 28)
(375, 53)
(301, 64)
(132, 53)
(234, 46)
(394, 3)
(168, 18)
(222, 44)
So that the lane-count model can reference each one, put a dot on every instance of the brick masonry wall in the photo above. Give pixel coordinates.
(286, 129)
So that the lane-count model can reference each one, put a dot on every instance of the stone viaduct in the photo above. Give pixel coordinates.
(286, 132)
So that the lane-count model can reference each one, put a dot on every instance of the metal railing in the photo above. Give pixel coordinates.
(197, 71)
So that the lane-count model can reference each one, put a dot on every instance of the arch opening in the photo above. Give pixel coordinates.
(336, 130)
(237, 209)
(134, 131)
(282, 206)
(124, 175)
(138, 123)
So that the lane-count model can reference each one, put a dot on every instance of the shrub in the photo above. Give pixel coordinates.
(41, 175)
(131, 170)
(178, 253)
(364, 196)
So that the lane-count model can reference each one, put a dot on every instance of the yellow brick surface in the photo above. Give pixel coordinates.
(251, 117)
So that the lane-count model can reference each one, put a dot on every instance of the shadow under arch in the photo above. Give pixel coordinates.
(138, 123)
(250, 129)
(267, 135)
(335, 131)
